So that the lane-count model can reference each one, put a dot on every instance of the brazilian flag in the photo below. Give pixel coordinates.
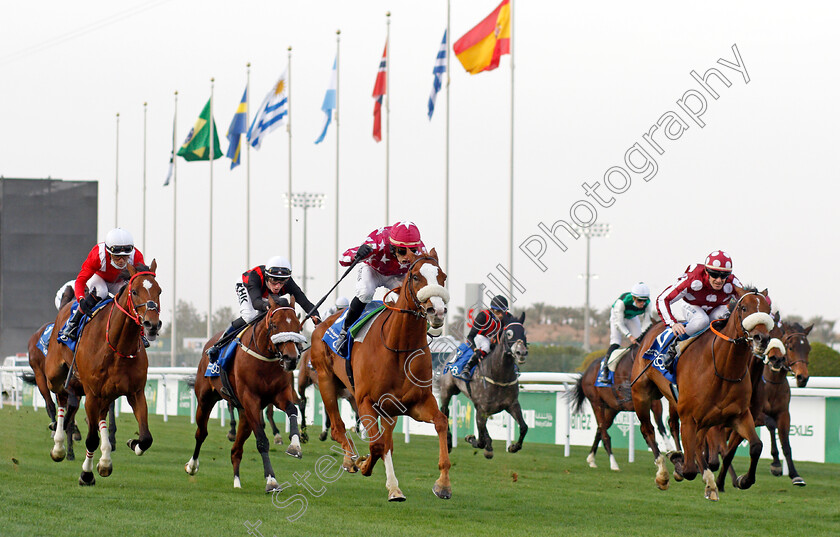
(197, 144)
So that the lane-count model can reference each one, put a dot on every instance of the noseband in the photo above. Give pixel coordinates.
(280, 337)
(802, 339)
(744, 339)
(150, 306)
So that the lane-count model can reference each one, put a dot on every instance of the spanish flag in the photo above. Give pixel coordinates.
(480, 48)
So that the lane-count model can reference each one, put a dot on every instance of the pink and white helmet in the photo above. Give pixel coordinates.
(405, 234)
(719, 260)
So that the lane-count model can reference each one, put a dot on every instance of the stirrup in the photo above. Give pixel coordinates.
(341, 342)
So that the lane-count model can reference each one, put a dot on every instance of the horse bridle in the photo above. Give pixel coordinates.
(420, 313)
(737, 340)
(274, 351)
(802, 339)
(150, 306)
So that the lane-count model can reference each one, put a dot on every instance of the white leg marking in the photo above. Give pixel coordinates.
(613, 464)
(192, 466)
(87, 466)
(104, 443)
(590, 459)
(236, 483)
(295, 443)
(391, 478)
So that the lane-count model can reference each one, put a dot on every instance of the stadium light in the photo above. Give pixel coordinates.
(305, 200)
(595, 230)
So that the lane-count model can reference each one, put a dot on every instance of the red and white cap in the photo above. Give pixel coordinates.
(405, 234)
(719, 260)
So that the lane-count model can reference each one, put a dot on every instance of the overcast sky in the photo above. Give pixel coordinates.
(758, 180)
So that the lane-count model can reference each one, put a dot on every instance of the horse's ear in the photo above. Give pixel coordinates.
(272, 300)
(433, 253)
(410, 255)
(739, 292)
(776, 317)
(291, 301)
(522, 317)
(764, 292)
(130, 269)
(153, 266)
(808, 330)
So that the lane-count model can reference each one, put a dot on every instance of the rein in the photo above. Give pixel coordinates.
(785, 340)
(730, 340)
(507, 350)
(275, 355)
(135, 317)
(419, 313)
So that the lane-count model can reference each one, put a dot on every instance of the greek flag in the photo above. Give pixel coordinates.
(271, 114)
(438, 71)
(329, 102)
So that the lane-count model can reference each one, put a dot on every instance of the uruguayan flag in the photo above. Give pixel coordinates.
(329, 102)
(271, 114)
(438, 71)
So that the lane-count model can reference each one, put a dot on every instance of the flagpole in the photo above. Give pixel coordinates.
(335, 113)
(289, 130)
(145, 110)
(248, 170)
(510, 186)
(210, 249)
(387, 115)
(446, 260)
(117, 177)
(174, 236)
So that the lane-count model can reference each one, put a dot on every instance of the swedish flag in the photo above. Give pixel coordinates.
(238, 127)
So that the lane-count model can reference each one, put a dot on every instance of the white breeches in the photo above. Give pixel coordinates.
(246, 309)
(369, 279)
(698, 320)
(102, 287)
(634, 325)
(60, 293)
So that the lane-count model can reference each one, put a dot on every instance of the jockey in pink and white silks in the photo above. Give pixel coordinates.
(385, 262)
(706, 290)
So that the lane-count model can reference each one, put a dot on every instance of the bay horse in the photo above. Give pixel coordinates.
(608, 401)
(110, 361)
(392, 368)
(777, 405)
(710, 376)
(494, 386)
(308, 376)
(265, 356)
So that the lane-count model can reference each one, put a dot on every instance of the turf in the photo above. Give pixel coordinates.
(536, 492)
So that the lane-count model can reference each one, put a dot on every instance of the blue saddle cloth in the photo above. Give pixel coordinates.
(610, 378)
(457, 362)
(44, 341)
(657, 352)
(332, 333)
(72, 344)
(225, 360)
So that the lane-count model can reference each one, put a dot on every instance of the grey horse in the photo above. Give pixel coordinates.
(494, 386)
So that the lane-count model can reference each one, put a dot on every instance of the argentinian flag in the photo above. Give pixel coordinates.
(329, 101)
(272, 112)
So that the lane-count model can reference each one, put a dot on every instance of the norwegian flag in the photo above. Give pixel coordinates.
(379, 90)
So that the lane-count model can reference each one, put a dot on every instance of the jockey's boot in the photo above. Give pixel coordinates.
(69, 332)
(353, 313)
(670, 354)
(235, 326)
(466, 371)
(603, 373)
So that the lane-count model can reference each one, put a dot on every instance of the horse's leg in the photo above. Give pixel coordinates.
(744, 427)
(656, 408)
(776, 464)
(236, 450)
(329, 395)
(429, 412)
(252, 410)
(58, 452)
(710, 492)
(368, 418)
(143, 442)
(447, 390)
(690, 448)
(516, 411)
(590, 459)
(41, 381)
(304, 436)
(294, 433)
(483, 440)
(104, 467)
(391, 482)
(609, 415)
(784, 431)
(70, 428)
(112, 425)
(676, 456)
(232, 432)
(275, 432)
(326, 431)
(642, 405)
(205, 400)
(92, 410)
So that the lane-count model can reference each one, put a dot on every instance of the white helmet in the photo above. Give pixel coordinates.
(278, 267)
(341, 303)
(640, 290)
(119, 242)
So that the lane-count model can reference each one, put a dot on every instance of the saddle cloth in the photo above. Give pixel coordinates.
(612, 363)
(457, 362)
(44, 341)
(357, 332)
(96, 309)
(226, 355)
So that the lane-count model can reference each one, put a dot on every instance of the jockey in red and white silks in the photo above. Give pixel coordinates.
(706, 290)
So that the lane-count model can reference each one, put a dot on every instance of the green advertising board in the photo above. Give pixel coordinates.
(832, 429)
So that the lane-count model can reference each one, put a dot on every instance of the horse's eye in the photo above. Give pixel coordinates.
(416, 278)
(743, 308)
(134, 293)
(509, 334)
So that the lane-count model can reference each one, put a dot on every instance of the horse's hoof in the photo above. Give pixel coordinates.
(104, 470)
(743, 482)
(396, 496)
(113, 442)
(191, 467)
(58, 454)
(70, 455)
(322, 436)
(711, 495)
(776, 469)
(304, 437)
(294, 451)
(272, 486)
(662, 482)
(278, 439)
(590, 460)
(77, 436)
(231, 437)
(444, 493)
(51, 427)
(87, 479)
(678, 476)
(798, 481)
(470, 439)
(488, 454)
(514, 448)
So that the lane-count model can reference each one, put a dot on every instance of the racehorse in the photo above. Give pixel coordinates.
(776, 408)
(266, 354)
(110, 361)
(494, 386)
(608, 401)
(710, 377)
(392, 368)
(307, 376)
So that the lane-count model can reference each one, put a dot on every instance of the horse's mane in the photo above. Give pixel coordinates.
(747, 289)
(796, 327)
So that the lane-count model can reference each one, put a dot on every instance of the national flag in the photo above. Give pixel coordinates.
(379, 91)
(271, 114)
(172, 154)
(238, 127)
(481, 48)
(197, 144)
(329, 101)
(438, 71)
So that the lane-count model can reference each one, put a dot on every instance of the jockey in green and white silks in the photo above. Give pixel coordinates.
(630, 315)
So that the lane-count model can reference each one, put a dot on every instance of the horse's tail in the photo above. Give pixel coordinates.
(576, 396)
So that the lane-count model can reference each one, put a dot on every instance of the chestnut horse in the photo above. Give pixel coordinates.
(307, 376)
(392, 368)
(710, 375)
(608, 401)
(266, 354)
(776, 407)
(110, 361)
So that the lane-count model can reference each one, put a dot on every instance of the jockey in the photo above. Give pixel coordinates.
(340, 305)
(706, 290)
(486, 326)
(101, 274)
(60, 293)
(630, 315)
(275, 277)
(385, 255)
